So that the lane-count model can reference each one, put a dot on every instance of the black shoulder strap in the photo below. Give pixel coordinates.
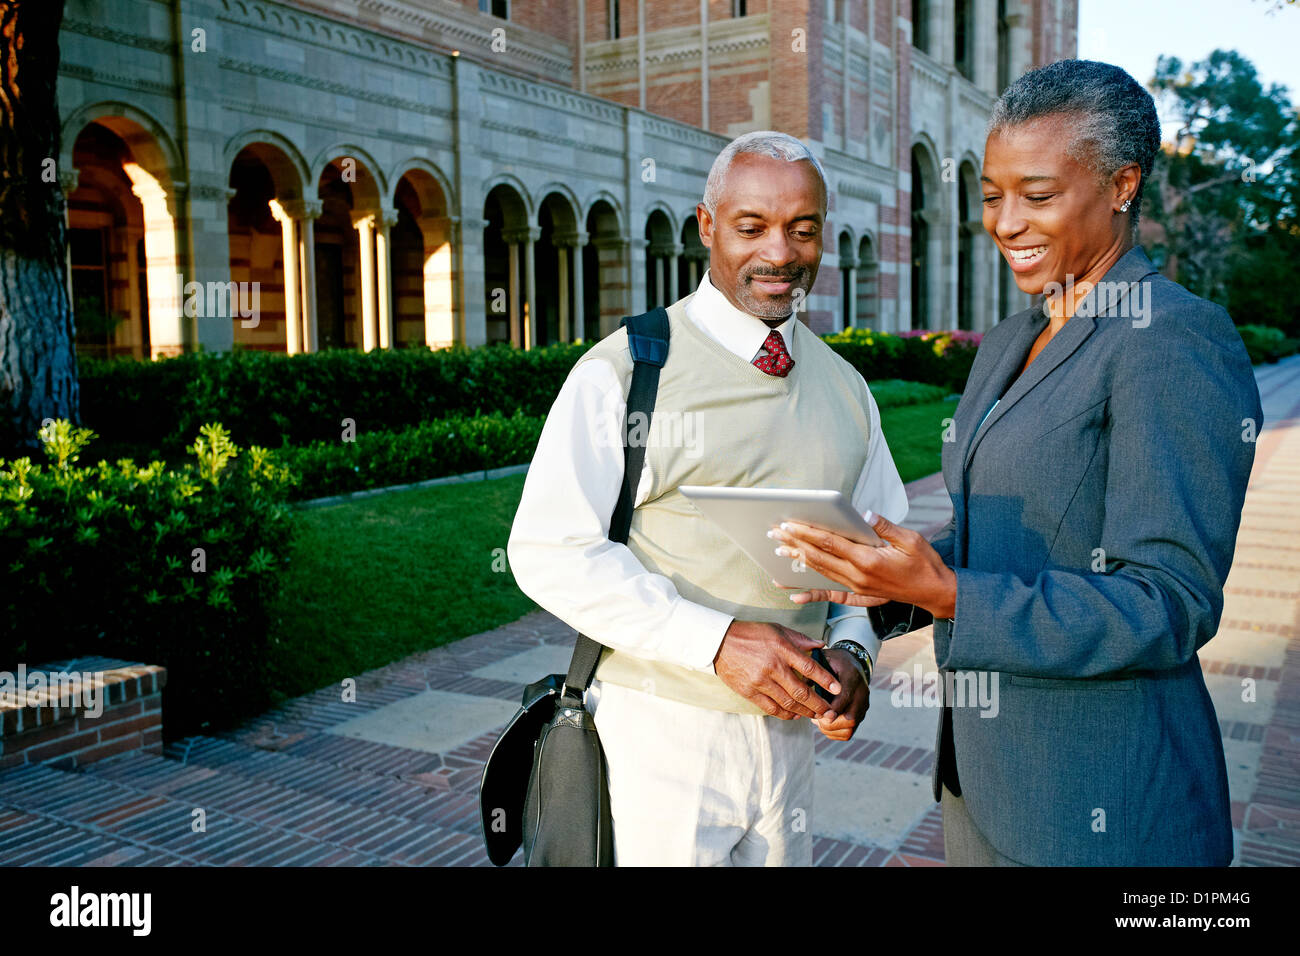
(647, 338)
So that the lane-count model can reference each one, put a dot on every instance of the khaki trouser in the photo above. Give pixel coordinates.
(690, 786)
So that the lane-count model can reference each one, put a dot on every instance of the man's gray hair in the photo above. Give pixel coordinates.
(764, 142)
(1112, 118)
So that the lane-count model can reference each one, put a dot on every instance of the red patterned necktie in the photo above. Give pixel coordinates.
(777, 361)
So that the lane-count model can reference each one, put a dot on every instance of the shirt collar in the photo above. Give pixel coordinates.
(736, 331)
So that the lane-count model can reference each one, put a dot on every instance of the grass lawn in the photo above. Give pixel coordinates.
(377, 579)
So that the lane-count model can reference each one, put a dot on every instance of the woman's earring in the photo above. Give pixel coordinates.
(1124, 208)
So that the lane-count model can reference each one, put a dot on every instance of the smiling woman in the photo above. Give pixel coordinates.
(1097, 471)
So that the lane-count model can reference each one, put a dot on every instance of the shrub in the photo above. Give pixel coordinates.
(937, 358)
(1267, 344)
(448, 446)
(102, 559)
(150, 409)
(270, 400)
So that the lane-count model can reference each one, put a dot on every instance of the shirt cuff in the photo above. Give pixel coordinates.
(693, 635)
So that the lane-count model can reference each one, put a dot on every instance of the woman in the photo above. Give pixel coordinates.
(1097, 472)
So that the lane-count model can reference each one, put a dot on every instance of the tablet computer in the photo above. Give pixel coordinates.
(745, 515)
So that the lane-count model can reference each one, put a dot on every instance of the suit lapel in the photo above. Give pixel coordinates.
(1104, 299)
(1005, 367)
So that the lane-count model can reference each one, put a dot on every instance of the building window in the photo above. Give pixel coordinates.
(921, 25)
(497, 8)
(738, 8)
(614, 32)
(963, 36)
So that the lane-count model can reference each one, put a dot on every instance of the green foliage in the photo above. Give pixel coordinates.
(937, 358)
(1223, 197)
(271, 400)
(1267, 344)
(448, 446)
(105, 560)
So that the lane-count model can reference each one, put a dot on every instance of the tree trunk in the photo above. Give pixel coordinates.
(38, 360)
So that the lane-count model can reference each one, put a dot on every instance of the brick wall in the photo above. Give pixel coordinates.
(68, 737)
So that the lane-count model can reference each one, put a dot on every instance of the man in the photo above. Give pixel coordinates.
(700, 696)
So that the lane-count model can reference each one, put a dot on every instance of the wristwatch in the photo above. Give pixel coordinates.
(859, 654)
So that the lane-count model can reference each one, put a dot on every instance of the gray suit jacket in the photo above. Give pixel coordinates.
(1095, 516)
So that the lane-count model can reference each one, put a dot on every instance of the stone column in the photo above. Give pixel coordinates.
(310, 212)
(512, 291)
(579, 287)
(521, 242)
(674, 253)
(562, 275)
(292, 279)
(385, 220)
(364, 223)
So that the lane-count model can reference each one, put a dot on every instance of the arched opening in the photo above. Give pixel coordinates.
(508, 267)
(125, 272)
(423, 302)
(554, 268)
(848, 292)
(924, 236)
(868, 299)
(353, 298)
(605, 291)
(264, 222)
(965, 251)
(660, 275)
(694, 260)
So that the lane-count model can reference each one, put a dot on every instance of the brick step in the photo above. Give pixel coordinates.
(144, 802)
(343, 771)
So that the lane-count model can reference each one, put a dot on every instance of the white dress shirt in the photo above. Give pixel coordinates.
(559, 548)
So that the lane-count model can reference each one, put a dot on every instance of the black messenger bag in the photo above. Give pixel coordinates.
(545, 784)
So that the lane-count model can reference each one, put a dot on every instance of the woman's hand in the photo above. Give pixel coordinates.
(904, 569)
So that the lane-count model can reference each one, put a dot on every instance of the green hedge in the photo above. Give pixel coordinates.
(449, 446)
(460, 444)
(101, 560)
(1267, 344)
(150, 409)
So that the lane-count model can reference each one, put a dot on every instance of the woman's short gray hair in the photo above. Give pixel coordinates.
(764, 142)
(1112, 117)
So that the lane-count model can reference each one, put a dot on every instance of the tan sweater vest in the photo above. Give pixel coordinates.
(719, 420)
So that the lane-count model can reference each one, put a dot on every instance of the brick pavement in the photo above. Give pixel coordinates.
(391, 779)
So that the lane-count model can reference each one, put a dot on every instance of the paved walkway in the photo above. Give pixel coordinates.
(392, 778)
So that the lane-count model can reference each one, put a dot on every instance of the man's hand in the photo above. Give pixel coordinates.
(848, 709)
(768, 665)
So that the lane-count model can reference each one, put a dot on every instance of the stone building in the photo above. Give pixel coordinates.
(385, 173)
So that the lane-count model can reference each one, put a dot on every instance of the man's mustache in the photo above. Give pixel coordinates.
(782, 276)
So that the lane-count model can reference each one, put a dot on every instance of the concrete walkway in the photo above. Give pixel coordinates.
(392, 778)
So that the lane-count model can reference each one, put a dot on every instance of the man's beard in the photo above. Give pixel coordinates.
(769, 306)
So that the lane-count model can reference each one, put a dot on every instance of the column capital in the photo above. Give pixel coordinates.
(302, 208)
(669, 250)
(571, 239)
(522, 234)
(68, 180)
(388, 218)
(364, 219)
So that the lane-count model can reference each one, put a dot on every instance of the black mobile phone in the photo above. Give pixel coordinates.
(819, 657)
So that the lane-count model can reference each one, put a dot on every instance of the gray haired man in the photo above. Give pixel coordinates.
(703, 698)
